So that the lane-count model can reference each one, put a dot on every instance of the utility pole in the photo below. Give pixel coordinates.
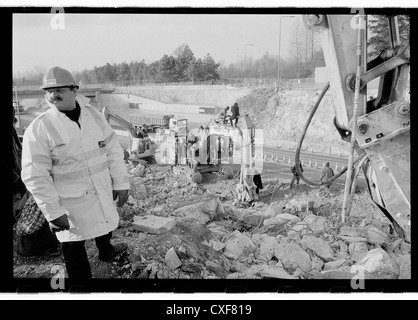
(278, 60)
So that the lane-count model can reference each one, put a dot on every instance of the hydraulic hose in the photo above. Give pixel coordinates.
(305, 128)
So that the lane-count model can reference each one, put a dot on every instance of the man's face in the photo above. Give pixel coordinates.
(62, 98)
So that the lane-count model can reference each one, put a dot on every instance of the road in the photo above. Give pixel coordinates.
(276, 162)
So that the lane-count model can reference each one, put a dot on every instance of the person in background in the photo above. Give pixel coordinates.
(72, 163)
(225, 114)
(125, 156)
(235, 115)
(327, 173)
(295, 174)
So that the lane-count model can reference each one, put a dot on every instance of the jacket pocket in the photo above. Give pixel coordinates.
(70, 190)
(58, 154)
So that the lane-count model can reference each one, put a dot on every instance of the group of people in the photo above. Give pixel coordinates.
(326, 174)
(233, 118)
(139, 132)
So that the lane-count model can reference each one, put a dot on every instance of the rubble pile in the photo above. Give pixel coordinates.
(176, 228)
(185, 230)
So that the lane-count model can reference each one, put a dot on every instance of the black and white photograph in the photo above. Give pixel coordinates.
(262, 149)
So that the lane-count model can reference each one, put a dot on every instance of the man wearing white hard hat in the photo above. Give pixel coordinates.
(72, 163)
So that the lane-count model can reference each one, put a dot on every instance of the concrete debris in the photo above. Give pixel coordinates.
(404, 265)
(272, 210)
(318, 246)
(352, 239)
(357, 250)
(317, 225)
(239, 246)
(273, 221)
(333, 265)
(172, 260)
(375, 236)
(268, 248)
(274, 272)
(317, 264)
(297, 231)
(286, 217)
(378, 262)
(138, 189)
(202, 211)
(353, 232)
(293, 256)
(153, 224)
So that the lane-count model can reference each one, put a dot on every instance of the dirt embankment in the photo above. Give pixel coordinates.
(281, 114)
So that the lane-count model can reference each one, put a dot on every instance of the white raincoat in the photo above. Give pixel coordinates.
(71, 170)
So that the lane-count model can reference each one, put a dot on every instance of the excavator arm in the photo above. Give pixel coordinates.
(139, 148)
(383, 123)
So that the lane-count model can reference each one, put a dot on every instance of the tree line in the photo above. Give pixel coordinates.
(183, 66)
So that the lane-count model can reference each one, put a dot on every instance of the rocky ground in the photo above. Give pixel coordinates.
(179, 225)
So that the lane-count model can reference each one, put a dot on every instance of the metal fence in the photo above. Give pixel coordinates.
(305, 83)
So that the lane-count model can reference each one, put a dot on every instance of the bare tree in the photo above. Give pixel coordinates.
(297, 39)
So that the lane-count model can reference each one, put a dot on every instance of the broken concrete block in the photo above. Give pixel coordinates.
(215, 244)
(286, 217)
(268, 247)
(293, 256)
(256, 238)
(298, 230)
(306, 204)
(270, 212)
(375, 236)
(318, 246)
(274, 272)
(333, 265)
(213, 207)
(317, 263)
(239, 246)
(254, 220)
(272, 221)
(357, 250)
(404, 264)
(172, 260)
(138, 189)
(353, 232)
(352, 239)
(153, 224)
(202, 211)
(378, 262)
(317, 225)
(342, 273)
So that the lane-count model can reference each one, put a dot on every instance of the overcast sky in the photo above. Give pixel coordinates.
(89, 40)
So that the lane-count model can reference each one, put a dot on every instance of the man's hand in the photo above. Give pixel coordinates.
(59, 224)
(123, 196)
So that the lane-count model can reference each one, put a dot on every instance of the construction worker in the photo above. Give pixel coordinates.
(235, 114)
(327, 173)
(125, 156)
(72, 163)
(295, 174)
(225, 114)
